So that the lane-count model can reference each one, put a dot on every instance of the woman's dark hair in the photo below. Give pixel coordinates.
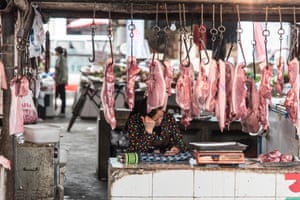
(61, 51)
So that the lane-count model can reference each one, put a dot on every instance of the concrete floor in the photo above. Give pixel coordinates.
(81, 144)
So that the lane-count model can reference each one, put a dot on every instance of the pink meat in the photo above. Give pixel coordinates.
(229, 83)
(107, 94)
(200, 92)
(168, 75)
(184, 91)
(280, 77)
(132, 72)
(156, 86)
(221, 97)
(239, 93)
(5, 162)
(213, 87)
(19, 88)
(265, 95)
(292, 99)
(251, 122)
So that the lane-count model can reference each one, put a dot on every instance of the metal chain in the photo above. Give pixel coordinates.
(266, 34)
(131, 28)
(213, 30)
(110, 36)
(280, 32)
(253, 42)
(239, 31)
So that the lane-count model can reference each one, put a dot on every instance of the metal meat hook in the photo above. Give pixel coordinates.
(93, 26)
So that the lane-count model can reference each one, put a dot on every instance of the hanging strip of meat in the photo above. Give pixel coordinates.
(221, 96)
(168, 76)
(107, 94)
(280, 77)
(200, 93)
(213, 87)
(251, 122)
(19, 88)
(229, 84)
(156, 86)
(239, 93)
(132, 72)
(184, 91)
(265, 95)
(292, 99)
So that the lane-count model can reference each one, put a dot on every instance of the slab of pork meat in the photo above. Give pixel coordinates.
(200, 93)
(156, 86)
(265, 95)
(168, 76)
(275, 156)
(107, 94)
(251, 123)
(221, 96)
(280, 77)
(229, 84)
(213, 86)
(292, 99)
(239, 93)
(132, 72)
(184, 87)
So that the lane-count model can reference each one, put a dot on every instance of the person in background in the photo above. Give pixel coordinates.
(153, 132)
(61, 78)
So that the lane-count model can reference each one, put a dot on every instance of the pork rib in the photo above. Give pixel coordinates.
(168, 76)
(156, 86)
(107, 94)
(292, 99)
(250, 123)
(132, 72)
(184, 87)
(229, 84)
(213, 88)
(239, 93)
(265, 95)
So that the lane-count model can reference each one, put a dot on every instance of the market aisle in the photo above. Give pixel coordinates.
(81, 144)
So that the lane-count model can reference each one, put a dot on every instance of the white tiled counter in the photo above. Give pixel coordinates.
(186, 182)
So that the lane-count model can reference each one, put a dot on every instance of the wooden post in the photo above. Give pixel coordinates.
(7, 57)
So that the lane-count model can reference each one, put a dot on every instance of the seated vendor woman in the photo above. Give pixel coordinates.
(156, 132)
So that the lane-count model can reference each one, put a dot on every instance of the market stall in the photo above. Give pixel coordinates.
(219, 102)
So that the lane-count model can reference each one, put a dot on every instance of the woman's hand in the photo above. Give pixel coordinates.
(149, 124)
(173, 151)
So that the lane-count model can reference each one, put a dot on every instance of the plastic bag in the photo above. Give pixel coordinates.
(30, 114)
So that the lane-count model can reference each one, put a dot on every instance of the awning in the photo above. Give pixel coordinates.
(80, 23)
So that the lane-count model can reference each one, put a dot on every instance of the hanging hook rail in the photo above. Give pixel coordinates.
(253, 42)
(93, 26)
(221, 30)
(266, 34)
(110, 36)
(202, 30)
(131, 28)
(156, 30)
(239, 31)
(280, 32)
(213, 30)
(294, 37)
(183, 37)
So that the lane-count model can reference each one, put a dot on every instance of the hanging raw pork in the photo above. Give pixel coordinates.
(292, 99)
(19, 88)
(221, 96)
(250, 123)
(184, 91)
(213, 87)
(200, 92)
(280, 77)
(239, 93)
(229, 84)
(132, 72)
(168, 75)
(265, 95)
(156, 86)
(107, 94)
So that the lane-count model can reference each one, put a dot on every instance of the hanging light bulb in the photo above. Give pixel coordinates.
(173, 26)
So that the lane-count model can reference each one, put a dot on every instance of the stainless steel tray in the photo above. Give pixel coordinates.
(280, 164)
(217, 146)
